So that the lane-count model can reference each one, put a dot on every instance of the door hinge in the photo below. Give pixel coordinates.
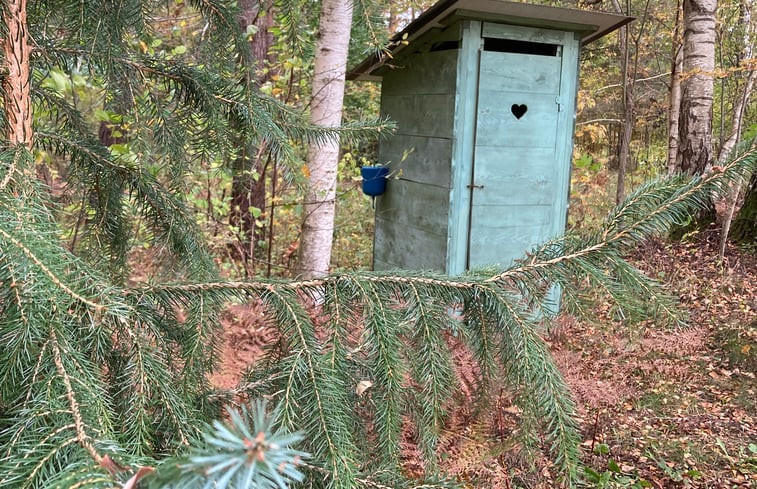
(474, 186)
(559, 104)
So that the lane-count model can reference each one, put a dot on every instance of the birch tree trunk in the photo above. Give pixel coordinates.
(326, 110)
(737, 123)
(16, 83)
(674, 112)
(695, 129)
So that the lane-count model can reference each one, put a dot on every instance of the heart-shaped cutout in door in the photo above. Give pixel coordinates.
(519, 110)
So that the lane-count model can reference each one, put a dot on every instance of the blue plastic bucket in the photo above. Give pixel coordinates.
(374, 179)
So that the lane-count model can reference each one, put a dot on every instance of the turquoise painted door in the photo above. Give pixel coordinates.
(516, 192)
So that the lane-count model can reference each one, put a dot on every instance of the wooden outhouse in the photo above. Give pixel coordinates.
(483, 93)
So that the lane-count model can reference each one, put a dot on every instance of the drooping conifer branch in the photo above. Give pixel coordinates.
(93, 369)
(81, 434)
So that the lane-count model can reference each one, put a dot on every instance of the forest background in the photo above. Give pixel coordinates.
(170, 150)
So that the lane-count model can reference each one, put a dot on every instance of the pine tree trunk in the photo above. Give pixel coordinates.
(695, 129)
(326, 110)
(248, 180)
(16, 83)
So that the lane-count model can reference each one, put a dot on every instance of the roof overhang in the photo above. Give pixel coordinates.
(589, 24)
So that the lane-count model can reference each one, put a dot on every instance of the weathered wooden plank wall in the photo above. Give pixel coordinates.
(411, 218)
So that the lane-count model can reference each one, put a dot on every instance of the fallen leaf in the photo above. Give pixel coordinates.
(363, 386)
(143, 471)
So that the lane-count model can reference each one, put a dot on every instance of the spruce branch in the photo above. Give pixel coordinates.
(331, 436)
(91, 370)
(50, 274)
(82, 438)
(383, 335)
(431, 364)
(251, 450)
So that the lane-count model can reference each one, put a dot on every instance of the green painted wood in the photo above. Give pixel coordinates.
(520, 72)
(411, 75)
(515, 176)
(566, 128)
(478, 186)
(497, 126)
(409, 203)
(420, 115)
(408, 247)
(463, 146)
(418, 46)
(515, 167)
(534, 23)
(418, 158)
(419, 153)
(518, 33)
(564, 148)
(514, 231)
(382, 265)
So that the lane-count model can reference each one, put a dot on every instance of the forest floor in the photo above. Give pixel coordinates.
(659, 407)
(676, 408)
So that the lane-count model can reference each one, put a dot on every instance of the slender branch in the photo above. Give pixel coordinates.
(311, 373)
(617, 85)
(81, 435)
(11, 169)
(26, 251)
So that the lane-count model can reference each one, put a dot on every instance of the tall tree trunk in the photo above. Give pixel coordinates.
(737, 123)
(741, 103)
(326, 110)
(695, 129)
(674, 112)
(626, 129)
(629, 86)
(248, 180)
(16, 83)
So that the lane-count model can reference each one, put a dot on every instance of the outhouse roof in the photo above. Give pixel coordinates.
(591, 25)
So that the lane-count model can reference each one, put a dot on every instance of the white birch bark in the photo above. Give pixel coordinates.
(674, 115)
(695, 127)
(675, 98)
(737, 125)
(326, 110)
(742, 102)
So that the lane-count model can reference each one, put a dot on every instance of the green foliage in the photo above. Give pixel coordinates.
(586, 161)
(90, 368)
(125, 116)
(614, 476)
(252, 451)
(97, 371)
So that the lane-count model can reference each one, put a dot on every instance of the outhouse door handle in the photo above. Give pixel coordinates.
(474, 186)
